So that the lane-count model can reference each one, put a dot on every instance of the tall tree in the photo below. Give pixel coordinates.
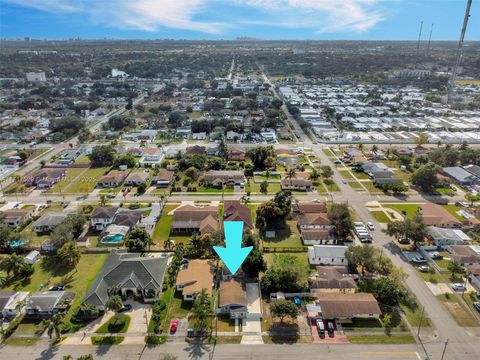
(69, 254)
(284, 308)
(340, 217)
(202, 313)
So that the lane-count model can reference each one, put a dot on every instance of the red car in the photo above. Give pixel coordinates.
(173, 326)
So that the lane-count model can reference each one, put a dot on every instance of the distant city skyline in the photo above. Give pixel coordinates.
(217, 19)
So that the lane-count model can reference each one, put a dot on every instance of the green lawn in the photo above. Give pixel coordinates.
(22, 341)
(380, 216)
(346, 174)
(452, 209)
(117, 324)
(302, 257)
(79, 181)
(321, 188)
(333, 187)
(48, 273)
(355, 185)
(381, 339)
(458, 312)
(445, 191)
(213, 190)
(410, 209)
(285, 238)
(328, 152)
(84, 159)
(35, 240)
(107, 340)
(162, 228)
(255, 188)
(414, 314)
(360, 175)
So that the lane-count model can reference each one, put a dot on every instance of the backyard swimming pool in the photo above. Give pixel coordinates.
(114, 239)
(17, 243)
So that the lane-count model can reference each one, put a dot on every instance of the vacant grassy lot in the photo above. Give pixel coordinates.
(285, 238)
(409, 209)
(302, 257)
(347, 175)
(79, 181)
(162, 228)
(452, 209)
(380, 216)
(459, 313)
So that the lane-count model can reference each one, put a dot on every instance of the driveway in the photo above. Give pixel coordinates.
(253, 325)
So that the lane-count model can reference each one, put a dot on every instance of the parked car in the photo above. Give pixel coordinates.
(173, 326)
(458, 287)
(126, 307)
(56, 288)
(320, 326)
(330, 328)
(476, 305)
(436, 256)
(344, 181)
(424, 268)
(418, 259)
(370, 226)
(404, 241)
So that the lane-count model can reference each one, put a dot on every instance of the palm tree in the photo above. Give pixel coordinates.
(70, 254)
(114, 303)
(3, 279)
(291, 173)
(245, 200)
(53, 325)
(103, 199)
(202, 312)
(375, 149)
(168, 244)
(360, 146)
(314, 175)
(12, 264)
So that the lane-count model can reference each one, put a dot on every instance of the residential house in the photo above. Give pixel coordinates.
(226, 177)
(473, 272)
(136, 178)
(151, 157)
(436, 215)
(14, 217)
(213, 151)
(193, 277)
(132, 274)
(44, 304)
(297, 184)
(102, 216)
(235, 153)
(163, 179)
(183, 132)
(474, 170)
(314, 221)
(11, 303)
(199, 136)
(232, 299)
(304, 207)
(332, 279)
(129, 218)
(202, 219)
(233, 136)
(111, 180)
(327, 255)
(443, 237)
(318, 237)
(234, 210)
(47, 222)
(345, 307)
(45, 178)
(135, 151)
(461, 176)
(68, 156)
(464, 255)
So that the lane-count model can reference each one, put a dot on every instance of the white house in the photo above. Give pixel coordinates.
(327, 255)
(14, 304)
(32, 257)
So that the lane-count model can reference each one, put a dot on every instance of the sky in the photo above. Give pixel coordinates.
(229, 19)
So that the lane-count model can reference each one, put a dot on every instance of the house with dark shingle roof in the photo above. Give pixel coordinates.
(48, 221)
(132, 274)
(233, 210)
(332, 279)
(202, 219)
(103, 216)
(232, 299)
(44, 304)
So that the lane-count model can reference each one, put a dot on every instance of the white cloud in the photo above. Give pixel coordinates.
(323, 16)
(146, 15)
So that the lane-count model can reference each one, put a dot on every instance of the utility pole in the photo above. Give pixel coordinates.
(419, 35)
(429, 41)
(458, 60)
(420, 322)
(444, 349)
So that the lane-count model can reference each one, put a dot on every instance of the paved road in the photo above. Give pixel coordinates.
(461, 339)
(230, 352)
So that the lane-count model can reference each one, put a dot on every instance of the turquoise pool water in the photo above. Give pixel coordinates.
(17, 243)
(112, 239)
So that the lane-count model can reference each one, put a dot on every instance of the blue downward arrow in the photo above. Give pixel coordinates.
(233, 255)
